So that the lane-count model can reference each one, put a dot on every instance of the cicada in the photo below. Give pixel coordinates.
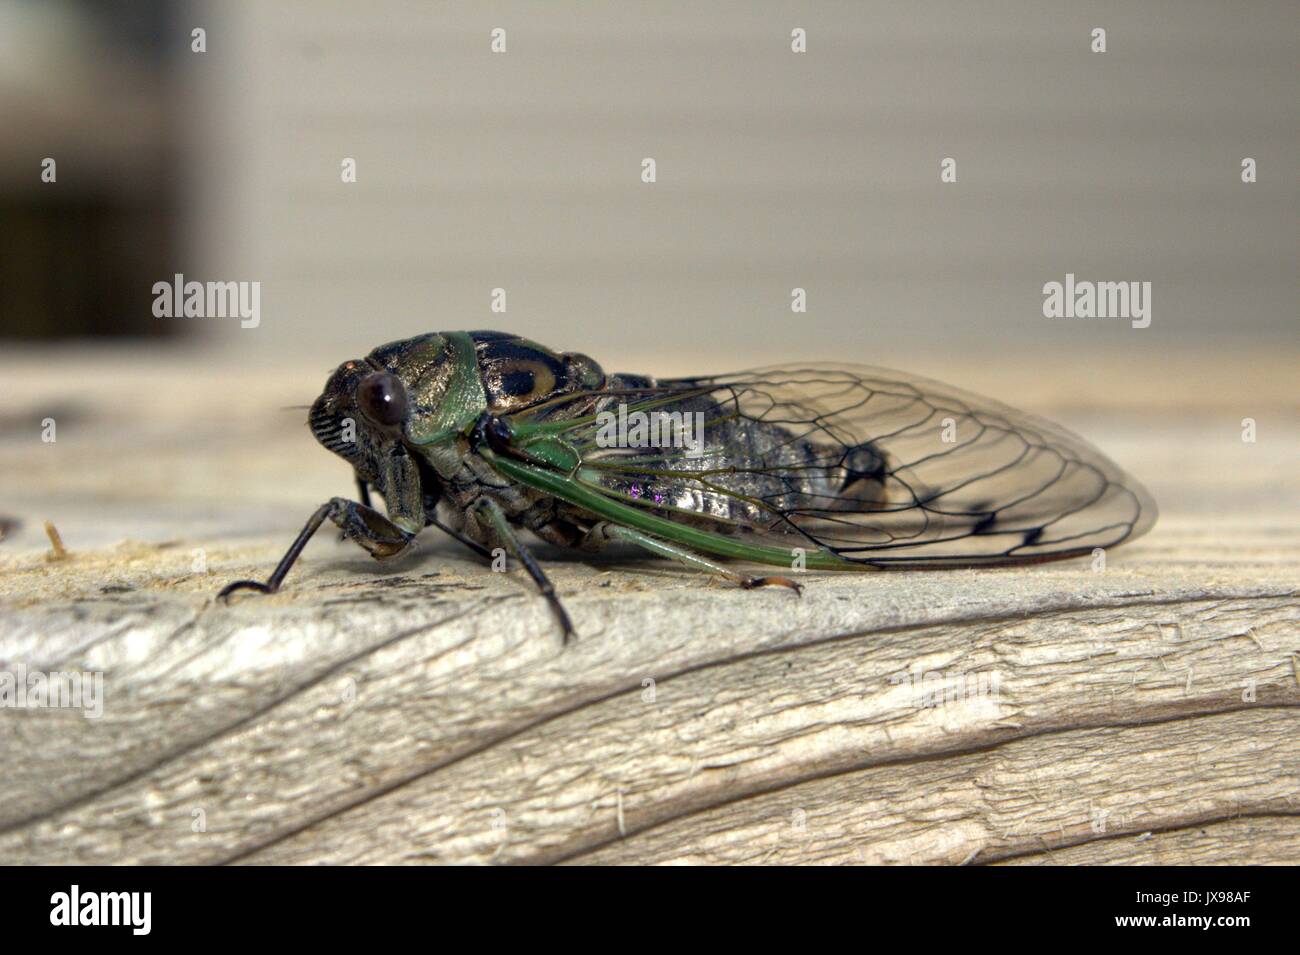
(484, 435)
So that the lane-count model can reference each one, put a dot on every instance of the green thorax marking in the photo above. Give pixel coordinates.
(464, 402)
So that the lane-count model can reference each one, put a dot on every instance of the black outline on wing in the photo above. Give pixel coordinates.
(964, 480)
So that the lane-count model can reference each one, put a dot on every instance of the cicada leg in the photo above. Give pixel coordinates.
(606, 530)
(468, 541)
(376, 533)
(489, 509)
(363, 492)
(363, 495)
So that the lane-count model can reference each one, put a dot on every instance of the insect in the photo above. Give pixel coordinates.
(824, 467)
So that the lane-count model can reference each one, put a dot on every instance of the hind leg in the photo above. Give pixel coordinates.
(606, 531)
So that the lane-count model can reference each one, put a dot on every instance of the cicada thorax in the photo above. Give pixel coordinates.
(518, 373)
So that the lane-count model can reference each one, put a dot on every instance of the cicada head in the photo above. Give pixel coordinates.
(364, 409)
(428, 393)
(339, 423)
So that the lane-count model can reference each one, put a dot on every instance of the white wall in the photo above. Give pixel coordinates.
(775, 170)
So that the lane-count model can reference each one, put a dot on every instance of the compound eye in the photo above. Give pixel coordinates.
(382, 398)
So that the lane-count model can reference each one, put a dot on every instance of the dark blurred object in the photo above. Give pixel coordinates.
(91, 86)
(81, 266)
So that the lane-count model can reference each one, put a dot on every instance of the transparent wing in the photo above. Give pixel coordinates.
(873, 466)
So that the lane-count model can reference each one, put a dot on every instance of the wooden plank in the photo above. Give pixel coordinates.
(1033, 794)
(316, 694)
(1252, 840)
(425, 711)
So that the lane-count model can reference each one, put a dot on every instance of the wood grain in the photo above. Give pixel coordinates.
(425, 711)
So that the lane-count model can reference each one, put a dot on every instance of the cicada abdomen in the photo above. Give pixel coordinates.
(875, 467)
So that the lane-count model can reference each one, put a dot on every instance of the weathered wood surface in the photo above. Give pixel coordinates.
(425, 711)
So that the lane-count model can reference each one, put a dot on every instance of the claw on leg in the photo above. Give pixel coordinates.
(230, 588)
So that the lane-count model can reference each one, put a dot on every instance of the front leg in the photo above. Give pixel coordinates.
(367, 527)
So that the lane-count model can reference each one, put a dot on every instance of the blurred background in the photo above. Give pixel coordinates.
(522, 170)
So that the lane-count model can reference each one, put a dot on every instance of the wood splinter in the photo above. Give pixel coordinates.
(57, 550)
